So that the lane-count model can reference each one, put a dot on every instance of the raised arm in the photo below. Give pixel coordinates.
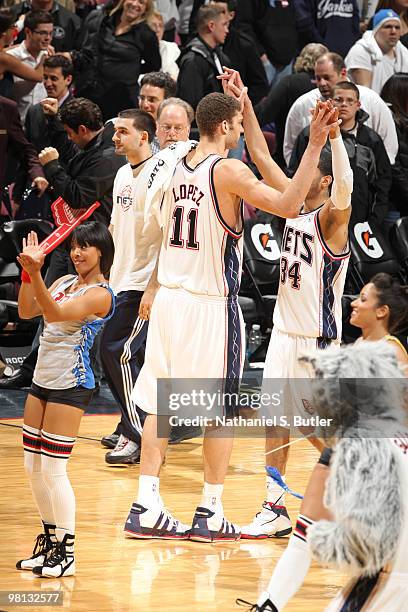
(12, 64)
(236, 178)
(57, 133)
(255, 140)
(36, 299)
(335, 215)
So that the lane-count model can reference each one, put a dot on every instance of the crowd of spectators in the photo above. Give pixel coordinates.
(123, 54)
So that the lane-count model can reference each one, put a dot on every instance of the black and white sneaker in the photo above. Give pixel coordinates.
(207, 527)
(143, 523)
(126, 452)
(61, 561)
(271, 521)
(43, 547)
(110, 441)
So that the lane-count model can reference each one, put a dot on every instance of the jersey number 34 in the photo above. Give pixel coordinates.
(290, 273)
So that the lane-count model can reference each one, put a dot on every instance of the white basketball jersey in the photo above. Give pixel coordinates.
(200, 252)
(135, 250)
(311, 281)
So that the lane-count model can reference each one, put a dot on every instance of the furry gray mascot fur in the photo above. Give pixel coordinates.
(365, 489)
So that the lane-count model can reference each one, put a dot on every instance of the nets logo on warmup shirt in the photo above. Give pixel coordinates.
(367, 241)
(264, 241)
(125, 198)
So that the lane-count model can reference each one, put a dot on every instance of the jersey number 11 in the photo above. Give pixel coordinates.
(176, 240)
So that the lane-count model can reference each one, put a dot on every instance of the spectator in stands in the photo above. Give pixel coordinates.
(185, 9)
(12, 138)
(81, 163)
(401, 8)
(38, 28)
(10, 65)
(395, 94)
(275, 107)
(379, 54)
(243, 55)
(334, 24)
(271, 25)
(118, 45)
(169, 51)
(202, 59)
(58, 72)
(154, 88)
(81, 169)
(330, 70)
(174, 119)
(67, 26)
(170, 13)
(368, 157)
(366, 8)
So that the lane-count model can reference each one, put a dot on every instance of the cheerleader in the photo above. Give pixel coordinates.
(74, 308)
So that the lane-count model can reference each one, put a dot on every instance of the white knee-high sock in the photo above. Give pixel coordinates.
(292, 567)
(32, 465)
(55, 451)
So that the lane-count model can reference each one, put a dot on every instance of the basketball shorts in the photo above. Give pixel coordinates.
(190, 337)
(285, 374)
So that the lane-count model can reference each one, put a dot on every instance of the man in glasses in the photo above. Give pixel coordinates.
(67, 25)
(174, 119)
(329, 71)
(38, 29)
(379, 53)
(368, 157)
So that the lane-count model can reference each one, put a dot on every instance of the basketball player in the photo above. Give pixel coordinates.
(123, 338)
(196, 325)
(307, 314)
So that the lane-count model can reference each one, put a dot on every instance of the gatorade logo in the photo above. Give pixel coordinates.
(367, 241)
(264, 241)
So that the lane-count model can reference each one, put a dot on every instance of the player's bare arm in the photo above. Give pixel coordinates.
(233, 177)
(254, 138)
(335, 215)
